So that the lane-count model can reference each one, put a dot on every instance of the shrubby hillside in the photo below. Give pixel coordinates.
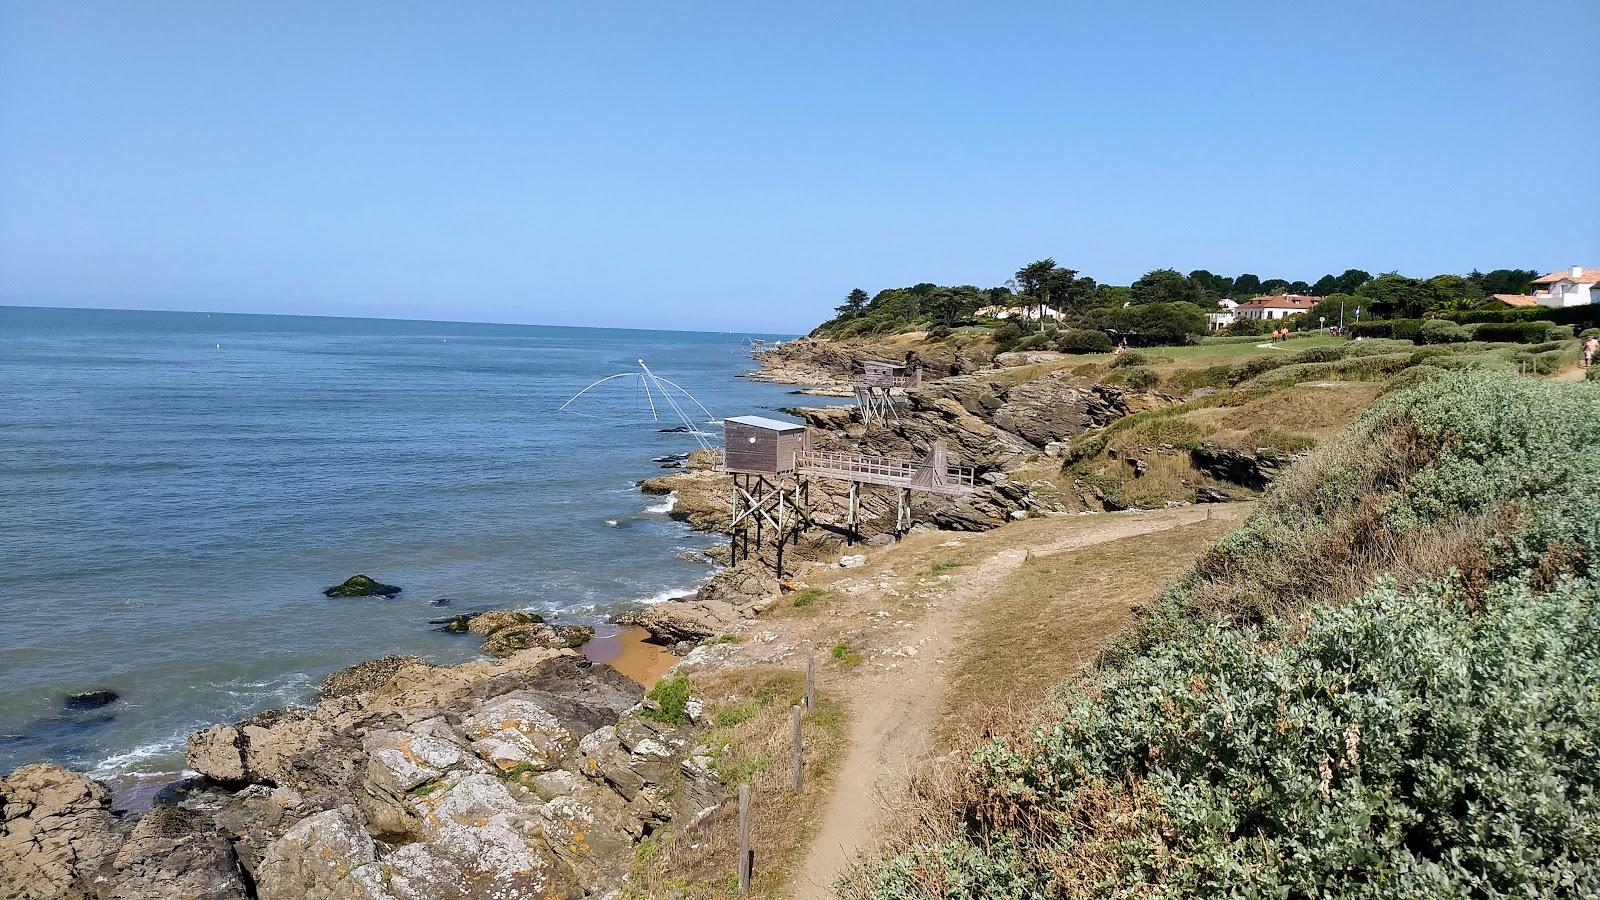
(1386, 684)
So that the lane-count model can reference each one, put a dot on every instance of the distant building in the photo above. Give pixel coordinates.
(1281, 306)
(1573, 287)
(1224, 315)
(1568, 287)
(1026, 313)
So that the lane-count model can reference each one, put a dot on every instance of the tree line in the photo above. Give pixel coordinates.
(1081, 300)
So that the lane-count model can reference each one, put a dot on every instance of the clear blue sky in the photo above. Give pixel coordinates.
(741, 166)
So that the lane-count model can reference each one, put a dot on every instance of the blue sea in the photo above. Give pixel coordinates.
(176, 489)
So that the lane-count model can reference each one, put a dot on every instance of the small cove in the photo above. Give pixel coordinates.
(178, 488)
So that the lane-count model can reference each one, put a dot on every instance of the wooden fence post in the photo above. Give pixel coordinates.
(745, 861)
(799, 750)
(811, 676)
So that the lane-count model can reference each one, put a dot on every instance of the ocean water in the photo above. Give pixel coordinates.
(176, 489)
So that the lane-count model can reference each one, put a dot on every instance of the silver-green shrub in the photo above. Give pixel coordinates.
(1385, 684)
(1404, 746)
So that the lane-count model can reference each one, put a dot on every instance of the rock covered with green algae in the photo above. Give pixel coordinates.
(361, 586)
(507, 631)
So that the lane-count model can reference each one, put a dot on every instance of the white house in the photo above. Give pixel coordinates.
(1224, 315)
(1277, 307)
(1571, 287)
(1026, 313)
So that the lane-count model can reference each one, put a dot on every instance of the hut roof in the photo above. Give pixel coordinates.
(764, 422)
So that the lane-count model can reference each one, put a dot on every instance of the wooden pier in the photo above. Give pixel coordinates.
(772, 465)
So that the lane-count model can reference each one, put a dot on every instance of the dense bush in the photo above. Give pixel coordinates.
(1193, 379)
(1441, 331)
(1369, 367)
(1384, 684)
(1403, 747)
(1248, 328)
(1376, 347)
(1535, 332)
(1254, 366)
(1142, 378)
(1007, 336)
(1585, 316)
(1410, 377)
(1035, 341)
(1319, 354)
(1150, 323)
(669, 701)
(1402, 329)
(1130, 358)
(1078, 340)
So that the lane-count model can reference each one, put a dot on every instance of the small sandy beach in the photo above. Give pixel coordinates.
(628, 652)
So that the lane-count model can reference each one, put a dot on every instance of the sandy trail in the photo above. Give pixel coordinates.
(893, 710)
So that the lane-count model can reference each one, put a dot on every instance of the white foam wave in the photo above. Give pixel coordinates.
(666, 505)
(668, 594)
(613, 523)
(124, 763)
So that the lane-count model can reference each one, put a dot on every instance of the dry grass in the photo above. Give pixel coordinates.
(1290, 420)
(751, 739)
(1304, 408)
(1053, 615)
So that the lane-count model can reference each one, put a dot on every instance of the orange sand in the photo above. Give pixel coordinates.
(630, 655)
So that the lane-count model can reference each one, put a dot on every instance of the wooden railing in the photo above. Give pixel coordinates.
(882, 470)
(885, 381)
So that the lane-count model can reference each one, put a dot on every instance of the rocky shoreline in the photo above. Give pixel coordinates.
(530, 776)
(533, 773)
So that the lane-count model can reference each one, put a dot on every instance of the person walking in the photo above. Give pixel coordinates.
(1590, 348)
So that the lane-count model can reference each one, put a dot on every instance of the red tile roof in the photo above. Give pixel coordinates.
(1282, 301)
(1515, 299)
(1589, 276)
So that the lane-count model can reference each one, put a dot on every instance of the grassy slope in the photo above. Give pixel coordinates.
(1283, 723)
(1055, 612)
(1284, 398)
(750, 739)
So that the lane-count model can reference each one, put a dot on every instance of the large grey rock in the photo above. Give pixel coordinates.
(367, 676)
(731, 595)
(1053, 409)
(1252, 470)
(257, 817)
(513, 638)
(174, 852)
(56, 833)
(468, 782)
(259, 749)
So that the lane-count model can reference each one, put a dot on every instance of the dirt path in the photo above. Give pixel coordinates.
(893, 709)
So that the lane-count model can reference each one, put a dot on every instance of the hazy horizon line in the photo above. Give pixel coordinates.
(7, 304)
